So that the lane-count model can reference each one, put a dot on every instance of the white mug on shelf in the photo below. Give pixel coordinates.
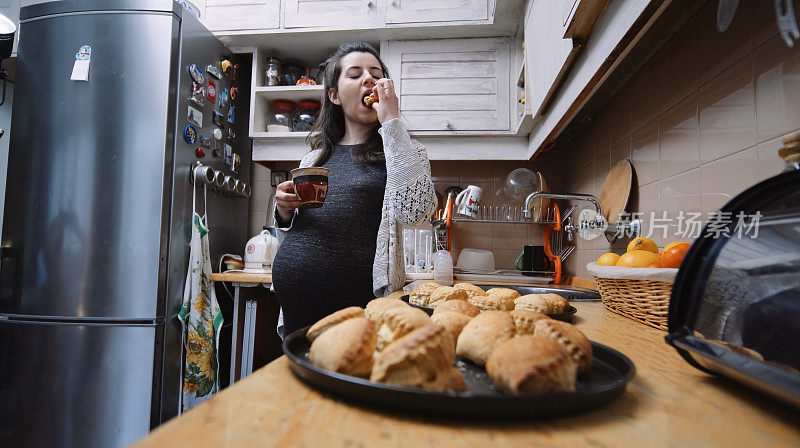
(468, 201)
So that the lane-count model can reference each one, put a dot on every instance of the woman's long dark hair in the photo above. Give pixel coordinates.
(329, 128)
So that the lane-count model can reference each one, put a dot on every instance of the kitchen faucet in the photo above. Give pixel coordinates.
(599, 219)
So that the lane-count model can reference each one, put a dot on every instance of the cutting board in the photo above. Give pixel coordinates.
(616, 190)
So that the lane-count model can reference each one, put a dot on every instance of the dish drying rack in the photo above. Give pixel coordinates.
(556, 250)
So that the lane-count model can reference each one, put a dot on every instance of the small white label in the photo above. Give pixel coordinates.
(80, 71)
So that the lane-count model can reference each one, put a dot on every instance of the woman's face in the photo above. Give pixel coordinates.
(359, 73)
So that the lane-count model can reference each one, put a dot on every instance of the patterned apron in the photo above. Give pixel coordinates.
(201, 318)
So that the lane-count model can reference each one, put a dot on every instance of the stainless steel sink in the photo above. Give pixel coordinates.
(571, 293)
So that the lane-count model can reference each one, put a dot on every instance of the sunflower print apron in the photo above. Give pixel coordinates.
(201, 318)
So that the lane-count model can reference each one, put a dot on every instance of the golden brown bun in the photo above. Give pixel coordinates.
(346, 347)
(423, 358)
(483, 333)
(452, 322)
(557, 303)
(531, 364)
(485, 303)
(533, 302)
(457, 306)
(421, 294)
(332, 319)
(392, 323)
(382, 303)
(504, 296)
(470, 289)
(568, 336)
(397, 294)
(443, 293)
(525, 321)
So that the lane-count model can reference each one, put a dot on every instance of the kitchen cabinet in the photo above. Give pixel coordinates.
(451, 85)
(237, 15)
(331, 13)
(548, 53)
(410, 11)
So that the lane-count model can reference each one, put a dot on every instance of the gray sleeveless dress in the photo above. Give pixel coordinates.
(325, 262)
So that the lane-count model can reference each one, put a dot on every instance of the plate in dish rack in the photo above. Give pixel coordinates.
(610, 372)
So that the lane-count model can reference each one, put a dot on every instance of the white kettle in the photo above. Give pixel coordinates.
(260, 253)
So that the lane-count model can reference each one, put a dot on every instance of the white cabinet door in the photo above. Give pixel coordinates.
(452, 84)
(347, 14)
(234, 15)
(547, 53)
(410, 11)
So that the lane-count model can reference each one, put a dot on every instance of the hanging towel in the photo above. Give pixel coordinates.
(201, 319)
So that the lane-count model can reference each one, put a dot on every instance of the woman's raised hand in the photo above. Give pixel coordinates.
(387, 106)
(286, 200)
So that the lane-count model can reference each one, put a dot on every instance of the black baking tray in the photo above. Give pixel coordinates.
(565, 317)
(606, 380)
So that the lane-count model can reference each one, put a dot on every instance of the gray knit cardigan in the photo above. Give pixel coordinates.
(409, 198)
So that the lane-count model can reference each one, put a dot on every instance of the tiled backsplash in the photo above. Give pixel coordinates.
(700, 122)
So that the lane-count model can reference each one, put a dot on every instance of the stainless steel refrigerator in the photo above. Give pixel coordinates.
(97, 215)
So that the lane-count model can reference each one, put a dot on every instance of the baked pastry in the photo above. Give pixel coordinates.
(457, 306)
(531, 364)
(568, 336)
(421, 294)
(525, 321)
(333, 319)
(392, 323)
(452, 322)
(470, 289)
(397, 294)
(482, 334)
(369, 99)
(443, 293)
(558, 304)
(533, 302)
(485, 303)
(382, 303)
(423, 358)
(504, 296)
(347, 347)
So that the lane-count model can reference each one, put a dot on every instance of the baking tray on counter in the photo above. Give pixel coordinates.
(609, 374)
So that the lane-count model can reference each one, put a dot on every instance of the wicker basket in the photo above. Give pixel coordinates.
(641, 299)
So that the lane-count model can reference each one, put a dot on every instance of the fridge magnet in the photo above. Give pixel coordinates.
(227, 156)
(226, 66)
(231, 115)
(205, 142)
(198, 93)
(278, 177)
(222, 98)
(235, 163)
(214, 71)
(231, 135)
(197, 75)
(190, 134)
(218, 118)
(195, 116)
(211, 91)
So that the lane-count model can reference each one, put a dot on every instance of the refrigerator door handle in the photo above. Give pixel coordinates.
(8, 258)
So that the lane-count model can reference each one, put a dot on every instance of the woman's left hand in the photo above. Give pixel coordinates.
(387, 106)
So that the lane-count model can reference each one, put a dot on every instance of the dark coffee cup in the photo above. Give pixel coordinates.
(310, 185)
(531, 259)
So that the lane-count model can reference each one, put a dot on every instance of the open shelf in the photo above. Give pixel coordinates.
(291, 93)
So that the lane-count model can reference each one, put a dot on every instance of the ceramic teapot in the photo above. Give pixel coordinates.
(260, 252)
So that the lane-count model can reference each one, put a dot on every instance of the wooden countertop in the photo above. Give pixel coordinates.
(241, 277)
(668, 403)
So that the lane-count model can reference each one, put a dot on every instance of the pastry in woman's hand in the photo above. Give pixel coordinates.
(421, 295)
(332, 319)
(452, 322)
(457, 306)
(347, 347)
(423, 358)
(525, 321)
(483, 333)
(531, 364)
(393, 323)
(568, 336)
(470, 289)
(504, 296)
(443, 293)
(375, 305)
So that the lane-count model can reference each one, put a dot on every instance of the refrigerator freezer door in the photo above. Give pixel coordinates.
(90, 169)
(68, 383)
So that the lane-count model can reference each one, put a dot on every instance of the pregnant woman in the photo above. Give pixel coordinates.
(349, 251)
